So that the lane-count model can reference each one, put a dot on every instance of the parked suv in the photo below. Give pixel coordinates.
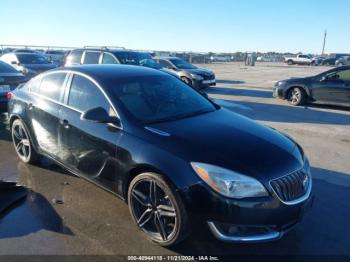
(110, 56)
(191, 75)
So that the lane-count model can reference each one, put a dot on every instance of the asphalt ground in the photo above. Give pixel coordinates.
(66, 215)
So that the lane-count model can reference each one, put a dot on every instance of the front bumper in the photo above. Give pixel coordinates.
(245, 220)
(256, 233)
(277, 92)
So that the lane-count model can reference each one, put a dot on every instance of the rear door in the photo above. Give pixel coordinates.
(44, 111)
(89, 148)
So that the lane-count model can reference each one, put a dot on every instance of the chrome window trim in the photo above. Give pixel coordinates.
(242, 239)
(298, 200)
(70, 75)
(98, 86)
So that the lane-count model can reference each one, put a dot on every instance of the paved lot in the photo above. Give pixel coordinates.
(92, 221)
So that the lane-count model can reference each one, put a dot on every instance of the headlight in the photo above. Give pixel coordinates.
(197, 77)
(279, 83)
(229, 183)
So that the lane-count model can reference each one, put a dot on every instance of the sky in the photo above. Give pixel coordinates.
(180, 25)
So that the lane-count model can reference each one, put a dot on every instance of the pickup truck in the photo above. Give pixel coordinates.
(298, 60)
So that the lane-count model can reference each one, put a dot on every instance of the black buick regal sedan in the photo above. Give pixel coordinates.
(173, 155)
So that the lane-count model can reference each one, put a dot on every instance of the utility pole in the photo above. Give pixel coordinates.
(324, 41)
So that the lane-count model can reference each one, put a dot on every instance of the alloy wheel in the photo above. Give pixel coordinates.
(295, 96)
(153, 210)
(21, 142)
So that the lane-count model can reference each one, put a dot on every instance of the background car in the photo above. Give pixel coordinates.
(30, 64)
(190, 74)
(315, 61)
(109, 56)
(10, 78)
(344, 60)
(165, 149)
(329, 61)
(56, 56)
(331, 87)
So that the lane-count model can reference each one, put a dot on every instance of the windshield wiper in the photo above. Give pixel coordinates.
(177, 117)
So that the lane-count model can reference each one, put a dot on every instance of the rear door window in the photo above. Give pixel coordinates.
(52, 86)
(91, 57)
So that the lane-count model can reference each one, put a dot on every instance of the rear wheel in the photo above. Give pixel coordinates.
(22, 143)
(157, 209)
(296, 96)
(340, 64)
(290, 62)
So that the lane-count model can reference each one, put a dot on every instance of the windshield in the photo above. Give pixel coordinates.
(5, 68)
(154, 99)
(32, 59)
(150, 63)
(181, 64)
(133, 58)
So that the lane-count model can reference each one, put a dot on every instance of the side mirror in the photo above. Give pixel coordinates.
(14, 63)
(99, 115)
(324, 78)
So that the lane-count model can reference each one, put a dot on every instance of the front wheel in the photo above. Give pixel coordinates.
(22, 143)
(157, 209)
(296, 96)
(187, 81)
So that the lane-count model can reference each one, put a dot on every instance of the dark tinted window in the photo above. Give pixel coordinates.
(92, 57)
(5, 68)
(75, 57)
(85, 95)
(159, 98)
(109, 59)
(164, 63)
(51, 85)
(182, 64)
(34, 84)
(32, 59)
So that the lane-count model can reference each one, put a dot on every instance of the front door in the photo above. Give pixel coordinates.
(330, 88)
(89, 147)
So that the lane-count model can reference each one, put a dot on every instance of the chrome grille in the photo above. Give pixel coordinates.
(291, 187)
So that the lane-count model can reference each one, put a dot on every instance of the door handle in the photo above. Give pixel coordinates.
(65, 123)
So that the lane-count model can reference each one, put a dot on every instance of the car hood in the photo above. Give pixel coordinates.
(199, 71)
(297, 79)
(40, 67)
(229, 140)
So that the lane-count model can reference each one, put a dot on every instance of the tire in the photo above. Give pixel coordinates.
(296, 96)
(187, 80)
(22, 143)
(146, 209)
(290, 62)
(340, 64)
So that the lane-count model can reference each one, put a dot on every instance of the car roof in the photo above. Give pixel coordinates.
(103, 72)
(110, 50)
